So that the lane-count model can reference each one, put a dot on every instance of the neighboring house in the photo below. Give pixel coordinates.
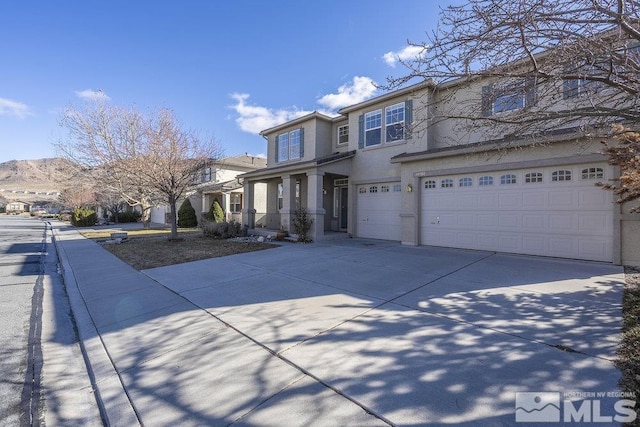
(384, 169)
(218, 181)
(18, 207)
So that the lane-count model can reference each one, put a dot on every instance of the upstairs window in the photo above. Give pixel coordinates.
(511, 96)
(289, 145)
(207, 175)
(343, 134)
(394, 122)
(373, 128)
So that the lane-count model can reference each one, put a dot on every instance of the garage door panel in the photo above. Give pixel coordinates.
(510, 201)
(572, 219)
(378, 211)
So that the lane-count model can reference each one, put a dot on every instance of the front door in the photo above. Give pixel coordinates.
(344, 208)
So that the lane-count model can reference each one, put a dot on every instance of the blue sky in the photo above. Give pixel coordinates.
(227, 69)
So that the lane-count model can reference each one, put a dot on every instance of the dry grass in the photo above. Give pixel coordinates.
(151, 252)
(105, 233)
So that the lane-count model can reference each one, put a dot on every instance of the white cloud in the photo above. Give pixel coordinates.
(92, 95)
(361, 89)
(408, 53)
(17, 109)
(254, 119)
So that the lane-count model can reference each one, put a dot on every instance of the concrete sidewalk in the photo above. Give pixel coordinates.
(349, 332)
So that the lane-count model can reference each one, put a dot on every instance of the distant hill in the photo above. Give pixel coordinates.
(34, 180)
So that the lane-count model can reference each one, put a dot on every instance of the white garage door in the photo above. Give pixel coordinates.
(551, 211)
(378, 211)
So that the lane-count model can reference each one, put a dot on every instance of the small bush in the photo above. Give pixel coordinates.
(302, 224)
(83, 217)
(128, 216)
(223, 230)
(187, 215)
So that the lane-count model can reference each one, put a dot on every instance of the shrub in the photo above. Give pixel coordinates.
(83, 217)
(127, 216)
(187, 215)
(216, 212)
(222, 230)
(302, 224)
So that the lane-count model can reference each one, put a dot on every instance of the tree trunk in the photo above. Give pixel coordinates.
(174, 223)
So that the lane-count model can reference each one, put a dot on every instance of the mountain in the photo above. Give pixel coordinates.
(34, 180)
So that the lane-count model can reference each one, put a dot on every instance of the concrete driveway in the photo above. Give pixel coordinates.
(365, 332)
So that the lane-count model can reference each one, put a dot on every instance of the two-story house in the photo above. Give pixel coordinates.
(391, 168)
(219, 181)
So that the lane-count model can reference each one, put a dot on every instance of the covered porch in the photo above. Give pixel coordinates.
(320, 186)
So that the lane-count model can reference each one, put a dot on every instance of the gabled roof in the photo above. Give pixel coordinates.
(314, 115)
(243, 162)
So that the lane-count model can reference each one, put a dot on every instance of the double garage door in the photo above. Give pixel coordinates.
(550, 211)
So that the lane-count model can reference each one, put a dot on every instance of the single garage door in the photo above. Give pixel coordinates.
(551, 211)
(378, 211)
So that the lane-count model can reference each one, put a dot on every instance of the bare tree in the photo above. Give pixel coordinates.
(78, 196)
(625, 154)
(576, 63)
(147, 159)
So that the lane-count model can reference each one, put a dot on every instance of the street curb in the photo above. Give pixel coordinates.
(115, 407)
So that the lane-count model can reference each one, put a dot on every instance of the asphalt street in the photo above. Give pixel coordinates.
(41, 364)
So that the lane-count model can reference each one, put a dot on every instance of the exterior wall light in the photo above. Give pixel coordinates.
(409, 188)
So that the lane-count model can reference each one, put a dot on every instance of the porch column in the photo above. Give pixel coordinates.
(315, 207)
(248, 210)
(288, 201)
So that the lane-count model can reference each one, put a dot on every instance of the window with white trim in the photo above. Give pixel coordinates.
(289, 145)
(530, 177)
(430, 184)
(446, 183)
(235, 201)
(485, 180)
(394, 122)
(465, 182)
(343, 134)
(592, 173)
(508, 179)
(561, 175)
(373, 128)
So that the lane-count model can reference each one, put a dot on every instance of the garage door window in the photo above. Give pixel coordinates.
(561, 176)
(466, 182)
(397, 188)
(373, 189)
(485, 180)
(362, 190)
(533, 177)
(384, 189)
(430, 184)
(507, 179)
(446, 183)
(592, 173)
